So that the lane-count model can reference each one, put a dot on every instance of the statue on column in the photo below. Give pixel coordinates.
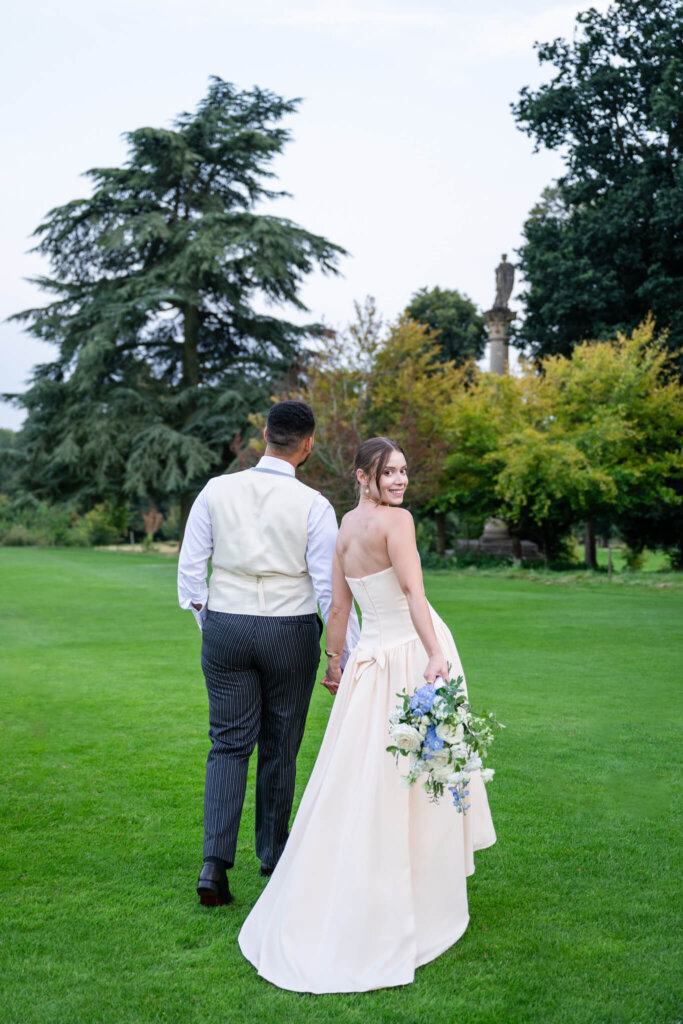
(500, 316)
(505, 278)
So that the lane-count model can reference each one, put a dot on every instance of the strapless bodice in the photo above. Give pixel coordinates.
(385, 615)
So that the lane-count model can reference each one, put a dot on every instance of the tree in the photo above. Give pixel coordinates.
(367, 382)
(157, 279)
(479, 421)
(337, 385)
(454, 321)
(335, 381)
(605, 244)
(602, 439)
(8, 460)
(594, 435)
(410, 393)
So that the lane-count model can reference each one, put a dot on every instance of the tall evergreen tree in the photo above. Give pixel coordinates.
(605, 244)
(157, 283)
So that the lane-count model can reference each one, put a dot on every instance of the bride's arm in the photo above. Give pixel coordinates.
(402, 551)
(338, 620)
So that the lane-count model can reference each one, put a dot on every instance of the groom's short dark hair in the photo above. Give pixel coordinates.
(289, 423)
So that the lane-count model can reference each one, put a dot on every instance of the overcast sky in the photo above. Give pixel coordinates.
(404, 149)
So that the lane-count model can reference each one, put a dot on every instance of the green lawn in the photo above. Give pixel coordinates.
(103, 711)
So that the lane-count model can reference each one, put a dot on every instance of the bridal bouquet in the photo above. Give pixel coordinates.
(437, 729)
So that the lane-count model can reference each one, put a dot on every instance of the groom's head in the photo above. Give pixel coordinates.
(289, 431)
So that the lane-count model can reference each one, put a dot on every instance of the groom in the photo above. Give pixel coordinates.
(271, 541)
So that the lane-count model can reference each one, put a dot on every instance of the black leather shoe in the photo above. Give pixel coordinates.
(266, 872)
(212, 886)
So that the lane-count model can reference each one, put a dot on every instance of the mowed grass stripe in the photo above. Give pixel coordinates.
(103, 710)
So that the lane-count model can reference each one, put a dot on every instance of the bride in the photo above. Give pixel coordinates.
(372, 881)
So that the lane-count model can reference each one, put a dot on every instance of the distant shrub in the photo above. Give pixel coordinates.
(25, 521)
(17, 536)
(675, 555)
(77, 536)
(633, 558)
(106, 524)
(464, 559)
(170, 528)
(432, 560)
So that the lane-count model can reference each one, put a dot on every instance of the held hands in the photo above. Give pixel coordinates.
(332, 676)
(330, 685)
(436, 666)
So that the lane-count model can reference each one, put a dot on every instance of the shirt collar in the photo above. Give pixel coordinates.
(276, 465)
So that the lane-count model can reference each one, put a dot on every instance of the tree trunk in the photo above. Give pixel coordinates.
(152, 520)
(190, 379)
(545, 545)
(440, 520)
(190, 346)
(589, 542)
(516, 545)
(186, 502)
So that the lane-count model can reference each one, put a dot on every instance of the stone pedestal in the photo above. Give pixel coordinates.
(498, 321)
(495, 532)
(496, 542)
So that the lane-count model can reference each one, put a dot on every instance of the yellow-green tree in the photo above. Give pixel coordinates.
(602, 439)
(594, 435)
(477, 421)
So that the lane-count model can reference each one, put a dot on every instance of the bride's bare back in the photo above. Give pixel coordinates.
(362, 542)
(375, 536)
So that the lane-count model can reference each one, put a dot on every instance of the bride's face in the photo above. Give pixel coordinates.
(392, 483)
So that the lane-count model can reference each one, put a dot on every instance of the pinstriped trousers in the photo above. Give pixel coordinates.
(260, 672)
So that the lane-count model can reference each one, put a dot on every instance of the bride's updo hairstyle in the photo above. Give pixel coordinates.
(372, 457)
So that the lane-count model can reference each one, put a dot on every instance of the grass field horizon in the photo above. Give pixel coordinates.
(104, 721)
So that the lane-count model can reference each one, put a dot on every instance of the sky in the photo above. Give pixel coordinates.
(404, 149)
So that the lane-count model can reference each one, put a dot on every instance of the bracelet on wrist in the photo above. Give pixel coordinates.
(330, 654)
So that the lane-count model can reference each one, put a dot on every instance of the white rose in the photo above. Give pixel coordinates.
(450, 733)
(405, 737)
(487, 774)
(425, 719)
(459, 752)
(440, 758)
(442, 774)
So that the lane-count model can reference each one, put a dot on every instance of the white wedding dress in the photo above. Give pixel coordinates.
(372, 881)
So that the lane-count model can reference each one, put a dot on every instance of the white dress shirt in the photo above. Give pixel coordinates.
(322, 537)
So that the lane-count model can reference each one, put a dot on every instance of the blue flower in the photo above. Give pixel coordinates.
(422, 700)
(431, 742)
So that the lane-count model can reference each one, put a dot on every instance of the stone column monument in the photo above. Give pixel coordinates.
(496, 539)
(499, 317)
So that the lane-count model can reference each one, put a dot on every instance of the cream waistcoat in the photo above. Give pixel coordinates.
(259, 521)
